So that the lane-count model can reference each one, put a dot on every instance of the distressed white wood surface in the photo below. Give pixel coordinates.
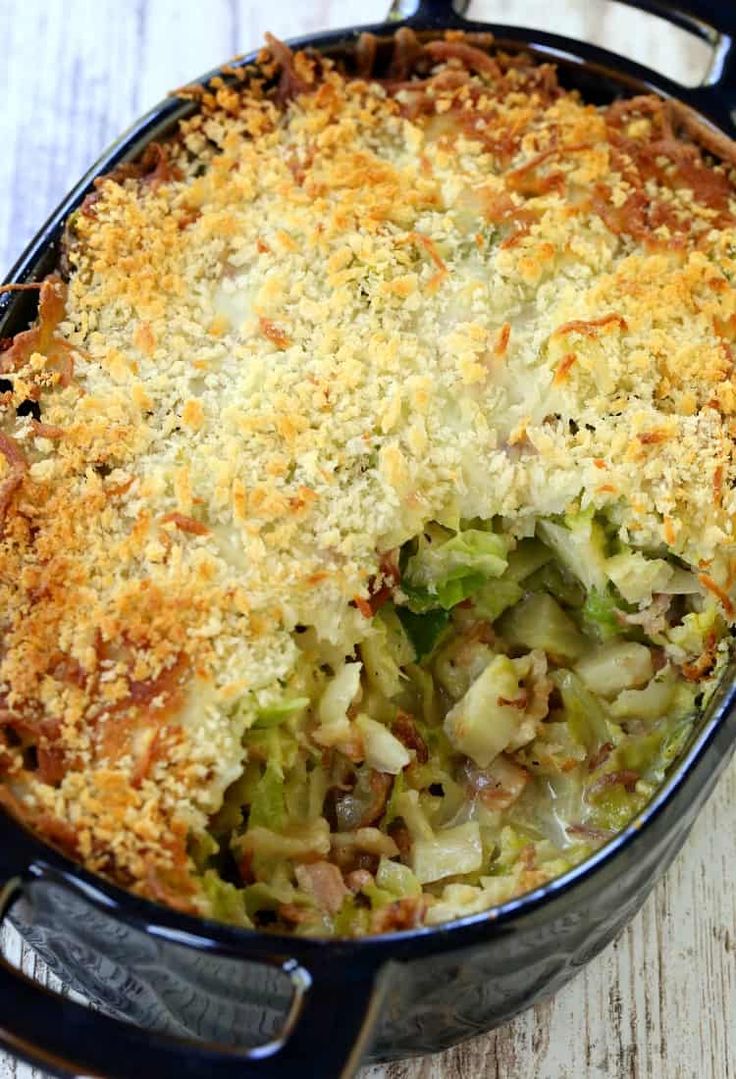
(661, 1002)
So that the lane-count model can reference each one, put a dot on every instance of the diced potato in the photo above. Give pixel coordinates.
(383, 750)
(529, 556)
(539, 622)
(451, 852)
(484, 721)
(615, 666)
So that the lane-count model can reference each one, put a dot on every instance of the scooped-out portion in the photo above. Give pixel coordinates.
(367, 490)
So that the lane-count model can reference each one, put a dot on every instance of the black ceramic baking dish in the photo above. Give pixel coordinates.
(189, 997)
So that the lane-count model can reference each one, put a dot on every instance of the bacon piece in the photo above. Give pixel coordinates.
(429, 246)
(28, 286)
(46, 430)
(588, 327)
(172, 886)
(18, 466)
(443, 80)
(51, 764)
(39, 338)
(629, 218)
(358, 879)
(600, 756)
(702, 132)
(469, 56)
(626, 778)
(405, 913)
(502, 341)
(406, 731)
(702, 666)
(12, 452)
(323, 881)
(128, 726)
(390, 576)
(60, 832)
(499, 785)
(563, 368)
(389, 564)
(675, 118)
(292, 82)
(365, 803)
(651, 438)
(274, 333)
(720, 593)
(586, 832)
(406, 51)
(363, 606)
(401, 836)
(186, 524)
(524, 179)
(294, 914)
(652, 619)
(155, 167)
(365, 55)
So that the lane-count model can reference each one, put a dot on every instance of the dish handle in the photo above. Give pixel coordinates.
(713, 21)
(333, 1014)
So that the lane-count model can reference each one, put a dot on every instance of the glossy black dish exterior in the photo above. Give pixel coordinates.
(188, 997)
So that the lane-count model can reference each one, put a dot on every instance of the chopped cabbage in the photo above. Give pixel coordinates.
(407, 806)
(689, 639)
(636, 577)
(397, 878)
(580, 544)
(582, 710)
(449, 853)
(424, 630)
(300, 839)
(267, 808)
(385, 651)
(476, 748)
(449, 571)
(335, 728)
(225, 901)
(602, 614)
(275, 714)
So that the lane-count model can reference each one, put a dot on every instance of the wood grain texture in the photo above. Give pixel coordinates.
(661, 1002)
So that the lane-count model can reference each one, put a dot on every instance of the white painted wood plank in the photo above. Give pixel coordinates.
(661, 1002)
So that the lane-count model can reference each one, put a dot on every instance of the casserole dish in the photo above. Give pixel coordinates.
(458, 938)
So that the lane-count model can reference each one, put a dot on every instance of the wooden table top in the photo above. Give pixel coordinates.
(660, 1003)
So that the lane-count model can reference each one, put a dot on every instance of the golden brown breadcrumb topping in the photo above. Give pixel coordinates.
(325, 314)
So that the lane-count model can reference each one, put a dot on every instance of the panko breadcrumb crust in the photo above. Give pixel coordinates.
(332, 309)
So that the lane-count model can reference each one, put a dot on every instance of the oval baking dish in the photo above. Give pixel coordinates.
(188, 996)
